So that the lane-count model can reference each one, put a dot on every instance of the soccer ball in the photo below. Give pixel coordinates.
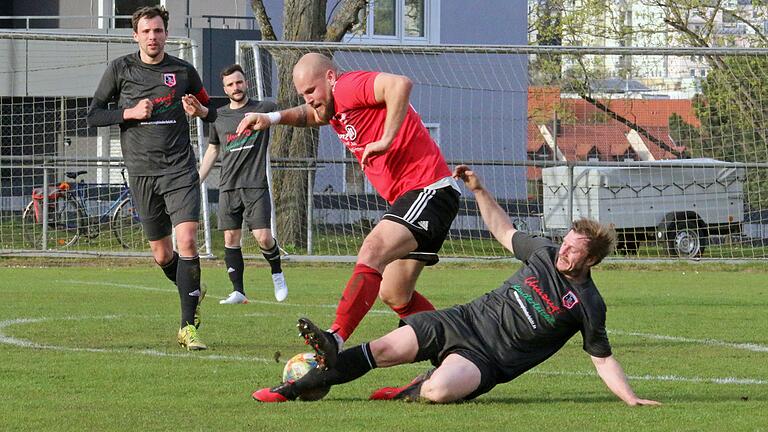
(297, 367)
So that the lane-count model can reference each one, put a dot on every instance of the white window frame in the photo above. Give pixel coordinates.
(107, 9)
(431, 27)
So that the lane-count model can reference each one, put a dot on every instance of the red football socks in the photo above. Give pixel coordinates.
(418, 303)
(357, 299)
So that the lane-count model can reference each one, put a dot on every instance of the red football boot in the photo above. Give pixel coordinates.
(409, 392)
(274, 394)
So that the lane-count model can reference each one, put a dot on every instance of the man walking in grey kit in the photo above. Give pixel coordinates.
(154, 92)
(243, 188)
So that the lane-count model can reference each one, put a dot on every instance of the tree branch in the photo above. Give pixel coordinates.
(632, 125)
(343, 19)
(265, 25)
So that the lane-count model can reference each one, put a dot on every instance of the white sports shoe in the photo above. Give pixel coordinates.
(281, 288)
(235, 297)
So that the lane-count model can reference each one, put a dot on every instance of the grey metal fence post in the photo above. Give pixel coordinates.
(570, 191)
(310, 207)
(44, 239)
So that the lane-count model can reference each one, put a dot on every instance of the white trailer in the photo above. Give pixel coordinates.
(679, 206)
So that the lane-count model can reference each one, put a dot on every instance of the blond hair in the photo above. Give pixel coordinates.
(602, 237)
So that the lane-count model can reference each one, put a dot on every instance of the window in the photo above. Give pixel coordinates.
(123, 7)
(434, 132)
(404, 21)
(593, 155)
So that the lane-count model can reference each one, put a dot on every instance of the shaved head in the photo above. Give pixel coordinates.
(313, 65)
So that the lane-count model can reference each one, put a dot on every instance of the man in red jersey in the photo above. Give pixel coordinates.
(371, 113)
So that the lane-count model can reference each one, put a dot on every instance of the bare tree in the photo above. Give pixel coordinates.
(303, 20)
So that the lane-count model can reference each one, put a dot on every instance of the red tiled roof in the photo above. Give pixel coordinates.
(585, 128)
(645, 112)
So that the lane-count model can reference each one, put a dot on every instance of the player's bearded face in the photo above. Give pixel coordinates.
(573, 256)
(317, 93)
(235, 86)
(151, 35)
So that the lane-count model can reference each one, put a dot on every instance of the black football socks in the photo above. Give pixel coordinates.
(233, 258)
(188, 282)
(272, 255)
(351, 365)
(170, 268)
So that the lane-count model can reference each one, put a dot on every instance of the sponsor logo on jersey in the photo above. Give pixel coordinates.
(165, 103)
(423, 224)
(350, 134)
(240, 142)
(534, 304)
(169, 79)
(570, 300)
(525, 310)
(533, 283)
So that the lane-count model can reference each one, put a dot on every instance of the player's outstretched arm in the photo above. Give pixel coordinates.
(495, 218)
(612, 374)
(300, 116)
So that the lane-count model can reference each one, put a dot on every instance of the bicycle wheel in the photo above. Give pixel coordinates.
(64, 218)
(126, 226)
(31, 227)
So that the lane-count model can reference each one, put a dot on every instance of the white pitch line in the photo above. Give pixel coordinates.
(740, 346)
(23, 343)
(673, 378)
(155, 353)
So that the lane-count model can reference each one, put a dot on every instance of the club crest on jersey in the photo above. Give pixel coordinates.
(570, 300)
(169, 79)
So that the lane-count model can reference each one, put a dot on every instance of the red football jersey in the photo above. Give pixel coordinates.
(412, 162)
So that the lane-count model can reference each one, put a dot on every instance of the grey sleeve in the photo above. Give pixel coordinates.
(524, 245)
(213, 135)
(99, 113)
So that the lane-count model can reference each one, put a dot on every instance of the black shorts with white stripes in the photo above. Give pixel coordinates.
(428, 214)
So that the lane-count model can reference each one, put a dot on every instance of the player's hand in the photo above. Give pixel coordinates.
(193, 107)
(373, 149)
(141, 111)
(465, 173)
(255, 121)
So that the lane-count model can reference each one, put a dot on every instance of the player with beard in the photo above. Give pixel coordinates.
(153, 93)
(243, 188)
(501, 335)
(371, 113)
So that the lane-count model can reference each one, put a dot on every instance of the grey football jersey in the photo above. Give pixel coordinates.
(158, 145)
(243, 157)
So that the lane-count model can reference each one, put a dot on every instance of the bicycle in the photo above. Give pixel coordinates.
(68, 218)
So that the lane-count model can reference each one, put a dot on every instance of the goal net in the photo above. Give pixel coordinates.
(63, 187)
(666, 145)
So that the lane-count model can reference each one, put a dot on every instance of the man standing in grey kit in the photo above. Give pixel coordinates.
(243, 188)
(154, 93)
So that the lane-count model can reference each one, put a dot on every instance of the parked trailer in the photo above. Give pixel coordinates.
(679, 206)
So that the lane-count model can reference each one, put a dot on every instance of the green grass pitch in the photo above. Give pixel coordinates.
(91, 346)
